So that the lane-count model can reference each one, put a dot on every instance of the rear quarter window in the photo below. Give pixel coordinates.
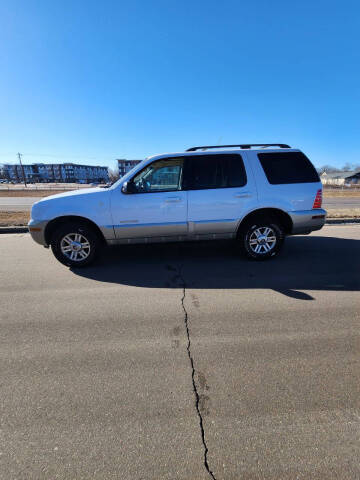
(288, 167)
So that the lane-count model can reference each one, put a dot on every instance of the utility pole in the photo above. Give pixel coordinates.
(22, 169)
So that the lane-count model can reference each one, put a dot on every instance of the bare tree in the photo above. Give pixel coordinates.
(328, 169)
(2, 171)
(347, 167)
(113, 174)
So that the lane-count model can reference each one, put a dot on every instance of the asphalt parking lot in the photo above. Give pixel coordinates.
(182, 362)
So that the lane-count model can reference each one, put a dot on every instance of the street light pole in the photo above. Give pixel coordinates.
(22, 169)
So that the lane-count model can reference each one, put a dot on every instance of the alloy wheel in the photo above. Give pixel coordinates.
(262, 240)
(75, 247)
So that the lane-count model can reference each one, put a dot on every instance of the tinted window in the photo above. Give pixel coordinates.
(160, 176)
(288, 167)
(236, 175)
(214, 171)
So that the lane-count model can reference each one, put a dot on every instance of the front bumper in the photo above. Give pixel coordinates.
(306, 221)
(37, 231)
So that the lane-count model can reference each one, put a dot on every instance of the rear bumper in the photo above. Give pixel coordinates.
(37, 231)
(306, 221)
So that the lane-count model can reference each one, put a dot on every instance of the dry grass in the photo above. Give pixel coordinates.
(14, 218)
(343, 213)
(331, 193)
(30, 193)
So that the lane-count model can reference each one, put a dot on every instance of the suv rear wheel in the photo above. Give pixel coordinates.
(75, 244)
(262, 238)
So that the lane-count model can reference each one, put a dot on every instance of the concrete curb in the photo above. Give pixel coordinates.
(339, 221)
(14, 230)
(330, 221)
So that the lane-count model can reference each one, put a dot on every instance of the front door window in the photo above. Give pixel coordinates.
(162, 176)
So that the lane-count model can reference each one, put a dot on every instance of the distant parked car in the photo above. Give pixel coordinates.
(256, 194)
(94, 184)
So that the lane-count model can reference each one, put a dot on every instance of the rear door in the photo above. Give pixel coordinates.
(219, 192)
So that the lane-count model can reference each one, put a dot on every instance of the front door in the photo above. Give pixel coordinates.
(219, 192)
(156, 206)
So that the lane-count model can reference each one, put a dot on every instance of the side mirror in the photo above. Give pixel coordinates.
(129, 187)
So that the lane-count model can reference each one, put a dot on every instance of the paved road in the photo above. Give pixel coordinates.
(24, 203)
(17, 204)
(99, 380)
(341, 202)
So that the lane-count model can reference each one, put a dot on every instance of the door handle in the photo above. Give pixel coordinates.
(172, 199)
(242, 195)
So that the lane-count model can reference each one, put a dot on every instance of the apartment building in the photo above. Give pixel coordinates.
(64, 172)
(125, 165)
(86, 173)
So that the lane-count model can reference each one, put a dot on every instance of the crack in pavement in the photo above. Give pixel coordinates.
(197, 397)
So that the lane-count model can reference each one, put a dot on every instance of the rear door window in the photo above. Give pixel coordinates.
(288, 167)
(214, 171)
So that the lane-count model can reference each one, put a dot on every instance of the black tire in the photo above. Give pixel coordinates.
(58, 244)
(250, 240)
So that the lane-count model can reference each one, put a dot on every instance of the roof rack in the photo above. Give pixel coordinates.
(242, 146)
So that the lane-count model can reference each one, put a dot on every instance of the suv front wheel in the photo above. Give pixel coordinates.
(262, 238)
(75, 244)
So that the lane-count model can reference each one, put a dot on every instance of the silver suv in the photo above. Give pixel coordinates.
(256, 194)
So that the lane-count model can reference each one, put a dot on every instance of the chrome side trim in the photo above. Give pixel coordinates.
(147, 230)
(171, 239)
(204, 227)
(167, 229)
(127, 225)
(122, 225)
(108, 232)
(216, 221)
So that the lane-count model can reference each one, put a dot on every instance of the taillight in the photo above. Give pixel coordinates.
(318, 199)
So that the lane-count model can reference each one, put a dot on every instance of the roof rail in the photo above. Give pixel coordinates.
(242, 146)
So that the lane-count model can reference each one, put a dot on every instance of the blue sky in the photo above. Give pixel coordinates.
(93, 81)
